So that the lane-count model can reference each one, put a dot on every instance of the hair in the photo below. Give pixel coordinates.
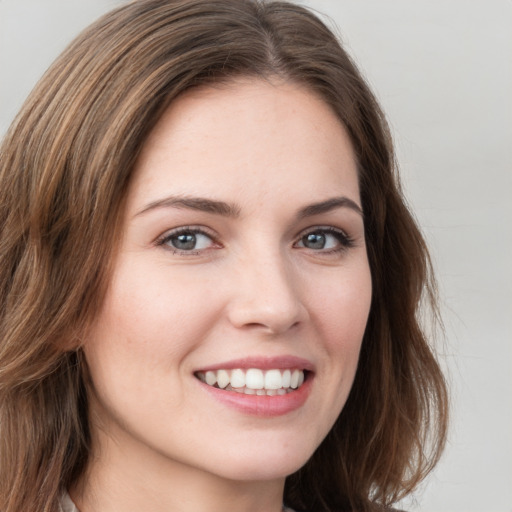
(65, 165)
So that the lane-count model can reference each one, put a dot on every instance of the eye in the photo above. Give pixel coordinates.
(187, 239)
(325, 239)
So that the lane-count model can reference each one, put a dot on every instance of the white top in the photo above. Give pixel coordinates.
(66, 505)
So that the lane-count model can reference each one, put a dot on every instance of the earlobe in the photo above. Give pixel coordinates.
(70, 342)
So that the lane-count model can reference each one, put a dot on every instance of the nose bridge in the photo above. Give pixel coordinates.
(266, 293)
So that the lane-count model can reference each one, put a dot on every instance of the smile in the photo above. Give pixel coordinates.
(254, 381)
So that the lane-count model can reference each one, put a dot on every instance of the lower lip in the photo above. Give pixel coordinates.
(264, 406)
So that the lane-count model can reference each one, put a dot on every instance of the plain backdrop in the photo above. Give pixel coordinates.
(442, 70)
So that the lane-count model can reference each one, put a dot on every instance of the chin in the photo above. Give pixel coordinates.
(274, 466)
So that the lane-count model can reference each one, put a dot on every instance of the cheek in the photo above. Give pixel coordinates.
(341, 316)
(151, 317)
(139, 341)
(339, 312)
(341, 309)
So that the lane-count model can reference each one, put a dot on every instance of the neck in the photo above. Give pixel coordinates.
(125, 476)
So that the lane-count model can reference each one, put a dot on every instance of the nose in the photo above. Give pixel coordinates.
(266, 296)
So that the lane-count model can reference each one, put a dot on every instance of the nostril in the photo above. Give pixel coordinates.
(266, 297)
(270, 328)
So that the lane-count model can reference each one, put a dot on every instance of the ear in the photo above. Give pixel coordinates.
(71, 341)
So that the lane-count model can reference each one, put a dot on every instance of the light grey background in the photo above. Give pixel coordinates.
(443, 71)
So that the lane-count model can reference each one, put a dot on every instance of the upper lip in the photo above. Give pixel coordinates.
(262, 363)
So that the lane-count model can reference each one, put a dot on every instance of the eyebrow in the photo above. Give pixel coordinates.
(194, 203)
(232, 210)
(329, 205)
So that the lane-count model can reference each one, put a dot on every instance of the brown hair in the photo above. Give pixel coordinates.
(65, 166)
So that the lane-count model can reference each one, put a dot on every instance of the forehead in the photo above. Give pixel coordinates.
(247, 138)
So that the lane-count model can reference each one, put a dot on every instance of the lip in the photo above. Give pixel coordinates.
(262, 406)
(263, 363)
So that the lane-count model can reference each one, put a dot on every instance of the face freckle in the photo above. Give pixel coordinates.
(242, 250)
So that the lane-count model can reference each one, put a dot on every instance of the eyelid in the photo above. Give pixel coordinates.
(164, 237)
(345, 240)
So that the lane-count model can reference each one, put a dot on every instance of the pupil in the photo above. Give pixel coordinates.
(185, 241)
(315, 241)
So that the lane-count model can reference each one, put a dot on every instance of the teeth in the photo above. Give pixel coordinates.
(222, 378)
(254, 381)
(237, 379)
(273, 379)
(294, 381)
(211, 378)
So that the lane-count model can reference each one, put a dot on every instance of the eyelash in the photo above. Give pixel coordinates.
(345, 241)
(163, 240)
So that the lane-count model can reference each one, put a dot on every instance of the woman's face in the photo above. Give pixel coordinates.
(242, 270)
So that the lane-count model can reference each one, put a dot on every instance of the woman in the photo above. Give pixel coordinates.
(210, 280)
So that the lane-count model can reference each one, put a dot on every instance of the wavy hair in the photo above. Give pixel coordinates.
(65, 165)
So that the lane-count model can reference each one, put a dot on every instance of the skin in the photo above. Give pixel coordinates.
(253, 285)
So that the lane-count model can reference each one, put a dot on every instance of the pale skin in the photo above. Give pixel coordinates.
(270, 262)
